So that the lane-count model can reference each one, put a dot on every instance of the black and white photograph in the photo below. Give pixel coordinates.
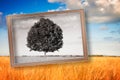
(45, 38)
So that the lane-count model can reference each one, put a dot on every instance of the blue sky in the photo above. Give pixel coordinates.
(25, 6)
(102, 18)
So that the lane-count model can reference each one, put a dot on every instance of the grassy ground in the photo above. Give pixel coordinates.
(97, 68)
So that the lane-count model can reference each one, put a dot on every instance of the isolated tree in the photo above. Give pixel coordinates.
(45, 36)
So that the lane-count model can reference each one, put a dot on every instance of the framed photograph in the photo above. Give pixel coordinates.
(47, 38)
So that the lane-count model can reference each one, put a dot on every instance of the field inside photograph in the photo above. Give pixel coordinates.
(44, 38)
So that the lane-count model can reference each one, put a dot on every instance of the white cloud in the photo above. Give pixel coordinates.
(98, 19)
(22, 13)
(104, 3)
(96, 10)
(72, 4)
(1, 17)
(58, 9)
(115, 4)
(102, 10)
(16, 13)
(104, 28)
(1, 13)
(52, 1)
(117, 7)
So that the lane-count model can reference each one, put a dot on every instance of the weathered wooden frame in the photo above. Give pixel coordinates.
(12, 54)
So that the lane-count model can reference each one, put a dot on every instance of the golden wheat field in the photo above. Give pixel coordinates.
(97, 68)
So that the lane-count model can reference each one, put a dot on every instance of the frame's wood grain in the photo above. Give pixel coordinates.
(12, 59)
(10, 36)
